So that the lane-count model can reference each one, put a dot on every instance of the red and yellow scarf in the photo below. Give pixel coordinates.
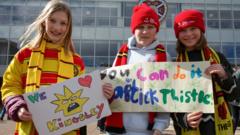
(222, 116)
(65, 71)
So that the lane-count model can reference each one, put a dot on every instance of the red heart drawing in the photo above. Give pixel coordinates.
(86, 81)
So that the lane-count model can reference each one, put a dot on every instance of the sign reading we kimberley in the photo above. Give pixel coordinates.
(160, 87)
(68, 105)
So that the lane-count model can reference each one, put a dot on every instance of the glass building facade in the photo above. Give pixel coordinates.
(101, 26)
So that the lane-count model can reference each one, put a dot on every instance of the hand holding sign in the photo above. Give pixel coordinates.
(68, 105)
(156, 87)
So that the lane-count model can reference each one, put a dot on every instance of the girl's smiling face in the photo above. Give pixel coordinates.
(189, 37)
(56, 26)
(145, 34)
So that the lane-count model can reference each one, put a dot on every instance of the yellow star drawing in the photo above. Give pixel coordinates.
(70, 103)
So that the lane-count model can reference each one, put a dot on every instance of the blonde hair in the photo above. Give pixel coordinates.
(201, 44)
(37, 29)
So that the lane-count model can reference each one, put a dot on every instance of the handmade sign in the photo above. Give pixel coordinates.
(160, 87)
(65, 106)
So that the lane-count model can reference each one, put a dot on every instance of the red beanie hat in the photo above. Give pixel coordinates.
(188, 18)
(143, 14)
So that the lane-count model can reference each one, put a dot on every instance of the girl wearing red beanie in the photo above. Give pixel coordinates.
(142, 46)
(192, 46)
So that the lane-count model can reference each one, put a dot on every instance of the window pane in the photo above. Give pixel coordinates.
(237, 24)
(87, 48)
(18, 1)
(226, 23)
(127, 21)
(236, 14)
(114, 48)
(127, 12)
(3, 45)
(19, 11)
(3, 51)
(102, 12)
(113, 12)
(33, 10)
(213, 23)
(102, 21)
(169, 22)
(10, 57)
(238, 51)
(172, 11)
(76, 11)
(17, 20)
(102, 48)
(86, 2)
(77, 20)
(77, 46)
(88, 21)
(13, 47)
(228, 50)
(30, 18)
(4, 19)
(3, 60)
(212, 14)
(102, 62)
(5, 10)
(88, 11)
(226, 14)
(88, 61)
(88, 14)
(171, 49)
(113, 21)
(127, 8)
(111, 61)
(4, 34)
(76, 14)
(238, 62)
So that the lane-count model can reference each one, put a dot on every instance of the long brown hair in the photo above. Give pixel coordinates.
(37, 29)
(201, 44)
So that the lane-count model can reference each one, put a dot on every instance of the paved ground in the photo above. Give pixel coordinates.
(7, 128)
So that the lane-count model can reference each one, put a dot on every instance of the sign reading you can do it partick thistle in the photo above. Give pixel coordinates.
(160, 87)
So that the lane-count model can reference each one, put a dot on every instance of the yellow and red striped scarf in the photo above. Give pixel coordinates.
(222, 116)
(65, 71)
